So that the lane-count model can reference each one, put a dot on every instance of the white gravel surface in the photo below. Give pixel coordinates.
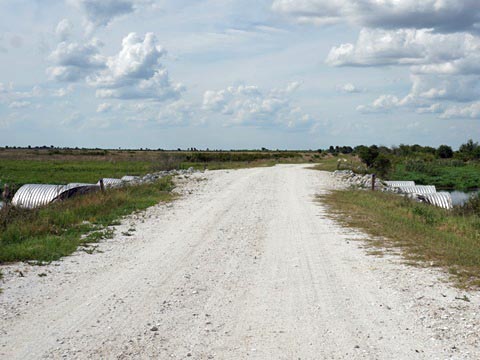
(245, 265)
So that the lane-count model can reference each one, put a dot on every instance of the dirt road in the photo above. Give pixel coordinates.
(245, 265)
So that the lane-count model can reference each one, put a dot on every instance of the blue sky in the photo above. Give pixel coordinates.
(301, 74)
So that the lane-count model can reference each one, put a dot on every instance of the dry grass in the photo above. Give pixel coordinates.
(425, 234)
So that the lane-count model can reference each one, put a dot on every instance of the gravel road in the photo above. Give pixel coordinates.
(246, 264)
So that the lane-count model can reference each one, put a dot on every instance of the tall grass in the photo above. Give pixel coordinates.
(426, 234)
(445, 174)
(53, 231)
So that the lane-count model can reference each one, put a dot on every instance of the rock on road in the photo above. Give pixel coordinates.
(246, 265)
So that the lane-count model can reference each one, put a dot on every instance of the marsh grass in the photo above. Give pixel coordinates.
(53, 231)
(426, 235)
(444, 174)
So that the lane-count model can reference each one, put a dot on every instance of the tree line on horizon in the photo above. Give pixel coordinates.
(468, 151)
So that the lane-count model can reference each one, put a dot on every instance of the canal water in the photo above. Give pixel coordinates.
(459, 198)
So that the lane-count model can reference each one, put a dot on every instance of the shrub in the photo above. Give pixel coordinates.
(444, 152)
(470, 150)
(367, 154)
(382, 165)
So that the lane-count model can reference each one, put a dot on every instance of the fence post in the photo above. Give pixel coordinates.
(102, 186)
(373, 182)
(6, 194)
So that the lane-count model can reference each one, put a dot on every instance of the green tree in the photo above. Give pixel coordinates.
(367, 154)
(470, 150)
(444, 152)
(382, 165)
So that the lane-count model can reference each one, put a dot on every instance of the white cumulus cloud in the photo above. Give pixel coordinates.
(247, 104)
(136, 72)
(442, 15)
(384, 103)
(440, 87)
(349, 88)
(426, 51)
(470, 111)
(444, 66)
(74, 61)
(104, 107)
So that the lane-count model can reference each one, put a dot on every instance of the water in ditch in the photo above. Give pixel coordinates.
(459, 198)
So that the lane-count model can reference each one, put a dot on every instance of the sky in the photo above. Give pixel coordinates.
(239, 74)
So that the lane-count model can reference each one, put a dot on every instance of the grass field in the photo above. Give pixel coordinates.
(64, 171)
(23, 166)
(426, 234)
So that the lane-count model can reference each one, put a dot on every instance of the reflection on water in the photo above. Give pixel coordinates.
(459, 198)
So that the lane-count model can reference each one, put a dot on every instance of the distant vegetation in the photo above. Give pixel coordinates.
(60, 166)
(442, 166)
